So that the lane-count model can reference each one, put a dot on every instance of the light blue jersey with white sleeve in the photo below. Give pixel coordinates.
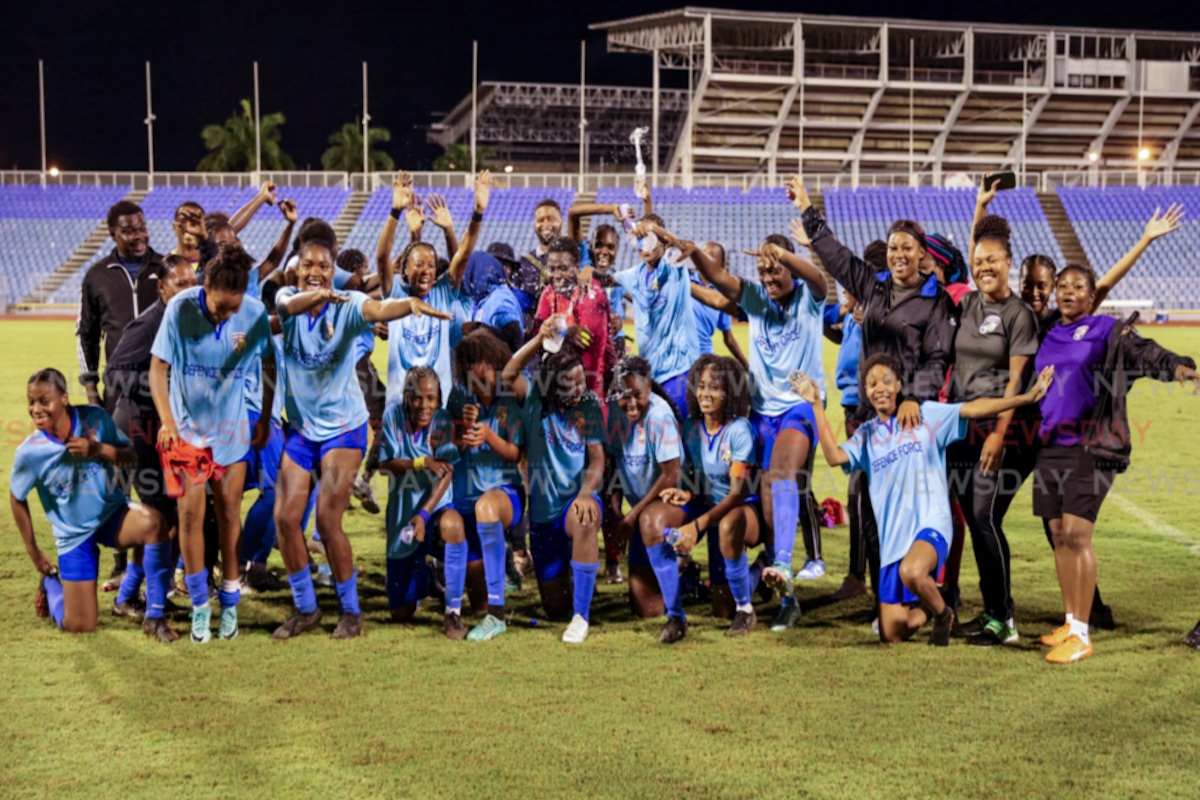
(210, 365)
(713, 454)
(783, 339)
(421, 341)
(907, 475)
(324, 399)
(639, 448)
(409, 491)
(77, 494)
(663, 319)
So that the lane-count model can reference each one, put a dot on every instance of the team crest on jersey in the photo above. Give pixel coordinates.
(641, 435)
(991, 324)
(501, 417)
(726, 454)
(239, 342)
(327, 330)
(1080, 333)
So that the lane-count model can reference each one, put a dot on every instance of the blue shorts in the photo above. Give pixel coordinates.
(262, 466)
(676, 389)
(892, 589)
(82, 563)
(550, 545)
(799, 417)
(408, 578)
(307, 454)
(470, 524)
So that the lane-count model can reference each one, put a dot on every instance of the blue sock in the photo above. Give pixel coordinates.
(303, 593)
(54, 599)
(756, 577)
(179, 562)
(347, 592)
(666, 569)
(738, 572)
(491, 537)
(785, 497)
(585, 587)
(456, 575)
(131, 584)
(197, 586)
(157, 560)
(258, 531)
(229, 594)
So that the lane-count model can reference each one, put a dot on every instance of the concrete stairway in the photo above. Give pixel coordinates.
(350, 214)
(1063, 231)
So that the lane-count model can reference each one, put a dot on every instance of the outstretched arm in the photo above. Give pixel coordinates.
(714, 299)
(266, 195)
(396, 308)
(1156, 227)
(578, 211)
(806, 387)
(986, 407)
(800, 267)
(402, 198)
(843, 264)
(458, 264)
(24, 521)
(275, 257)
(512, 374)
(726, 282)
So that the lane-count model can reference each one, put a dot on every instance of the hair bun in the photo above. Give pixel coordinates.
(993, 227)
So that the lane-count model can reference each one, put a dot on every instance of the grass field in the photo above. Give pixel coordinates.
(821, 711)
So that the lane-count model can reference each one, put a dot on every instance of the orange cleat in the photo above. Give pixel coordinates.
(1070, 651)
(1057, 636)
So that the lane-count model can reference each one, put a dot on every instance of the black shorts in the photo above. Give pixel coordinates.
(1070, 480)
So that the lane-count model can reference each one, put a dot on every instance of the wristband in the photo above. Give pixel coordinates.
(476, 216)
(424, 515)
(419, 463)
(396, 212)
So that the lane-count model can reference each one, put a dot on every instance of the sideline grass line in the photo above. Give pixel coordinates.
(1163, 529)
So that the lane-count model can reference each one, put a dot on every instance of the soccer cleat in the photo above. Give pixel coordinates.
(787, 617)
(673, 631)
(779, 577)
(1070, 651)
(257, 578)
(489, 629)
(612, 573)
(131, 609)
(452, 626)
(974, 627)
(365, 494)
(943, 624)
(114, 580)
(1193, 638)
(1056, 637)
(296, 624)
(851, 587)
(349, 626)
(1102, 618)
(201, 625)
(41, 604)
(813, 568)
(158, 629)
(994, 632)
(743, 623)
(577, 631)
(228, 629)
(178, 585)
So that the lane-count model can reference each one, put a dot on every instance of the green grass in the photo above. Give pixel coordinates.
(821, 711)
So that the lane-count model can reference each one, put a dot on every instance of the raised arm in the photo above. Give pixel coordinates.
(578, 211)
(806, 387)
(458, 264)
(801, 268)
(267, 194)
(985, 197)
(642, 189)
(402, 198)
(437, 210)
(414, 218)
(843, 264)
(1156, 227)
(512, 374)
(728, 284)
(279, 250)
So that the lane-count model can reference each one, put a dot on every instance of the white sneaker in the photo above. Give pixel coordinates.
(812, 569)
(577, 631)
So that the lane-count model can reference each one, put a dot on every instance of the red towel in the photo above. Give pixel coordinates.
(832, 513)
(184, 464)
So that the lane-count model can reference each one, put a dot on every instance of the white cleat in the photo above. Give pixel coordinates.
(577, 631)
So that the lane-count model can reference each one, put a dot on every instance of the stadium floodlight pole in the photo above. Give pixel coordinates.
(42, 108)
(654, 119)
(800, 122)
(474, 98)
(912, 83)
(257, 131)
(149, 120)
(366, 127)
(582, 118)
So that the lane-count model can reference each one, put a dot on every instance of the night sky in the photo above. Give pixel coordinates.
(310, 58)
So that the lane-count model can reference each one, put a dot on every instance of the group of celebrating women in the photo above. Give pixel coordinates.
(516, 427)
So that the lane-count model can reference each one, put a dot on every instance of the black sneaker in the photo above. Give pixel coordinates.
(943, 624)
(1193, 638)
(972, 628)
(296, 624)
(131, 609)
(1102, 618)
(673, 631)
(261, 579)
(158, 629)
(350, 626)
(743, 623)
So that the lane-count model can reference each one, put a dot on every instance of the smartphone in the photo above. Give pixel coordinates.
(1001, 181)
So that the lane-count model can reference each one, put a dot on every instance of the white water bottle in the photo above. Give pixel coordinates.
(672, 536)
(407, 534)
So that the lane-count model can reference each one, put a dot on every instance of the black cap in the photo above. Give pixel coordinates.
(502, 252)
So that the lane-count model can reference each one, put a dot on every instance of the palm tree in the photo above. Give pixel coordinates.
(457, 158)
(231, 147)
(345, 153)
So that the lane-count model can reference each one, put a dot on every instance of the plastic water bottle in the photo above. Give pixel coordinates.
(672, 536)
(555, 342)
(673, 256)
(407, 534)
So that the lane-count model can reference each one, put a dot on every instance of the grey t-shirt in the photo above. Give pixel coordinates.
(902, 293)
(988, 335)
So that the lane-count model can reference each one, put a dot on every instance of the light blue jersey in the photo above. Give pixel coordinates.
(663, 319)
(907, 475)
(639, 448)
(498, 309)
(557, 447)
(480, 469)
(209, 368)
(712, 455)
(324, 399)
(409, 491)
(463, 306)
(254, 385)
(365, 345)
(421, 341)
(77, 494)
(782, 340)
(708, 321)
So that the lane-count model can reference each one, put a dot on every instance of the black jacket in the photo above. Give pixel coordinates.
(127, 372)
(919, 331)
(1127, 358)
(108, 303)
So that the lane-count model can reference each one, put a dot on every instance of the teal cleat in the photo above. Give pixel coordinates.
(228, 629)
(201, 625)
(787, 617)
(489, 629)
